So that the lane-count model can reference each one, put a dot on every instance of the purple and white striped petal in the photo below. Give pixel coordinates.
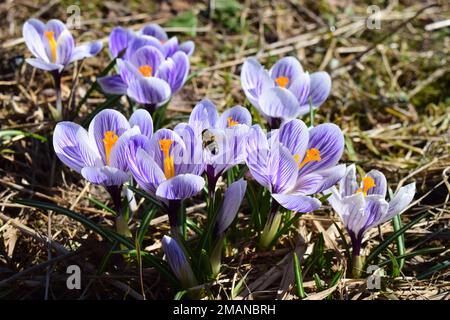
(288, 67)
(149, 91)
(348, 184)
(105, 176)
(294, 135)
(176, 148)
(328, 139)
(86, 50)
(33, 40)
(128, 72)
(402, 198)
(257, 156)
(301, 87)
(376, 208)
(187, 47)
(138, 41)
(320, 87)
(169, 47)
(254, 80)
(56, 26)
(380, 183)
(41, 64)
(203, 116)
(174, 71)
(119, 40)
(120, 154)
(278, 103)
(73, 147)
(180, 187)
(106, 120)
(297, 203)
(113, 84)
(191, 159)
(233, 116)
(282, 169)
(232, 200)
(178, 262)
(147, 56)
(143, 120)
(154, 30)
(64, 47)
(145, 170)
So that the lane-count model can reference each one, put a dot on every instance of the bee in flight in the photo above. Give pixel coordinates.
(209, 142)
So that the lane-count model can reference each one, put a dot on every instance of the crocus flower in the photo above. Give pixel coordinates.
(223, 135)
(294, 163)
(148, 77)
(98, 154)
(232, 200)
(363, 206)
(285, 91)
(178, 262)
(53, 46)
(151, 34)
(167, 167)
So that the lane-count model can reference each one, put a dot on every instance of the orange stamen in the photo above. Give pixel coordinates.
(169, 168)
(282, 81)
(50, 35)
(146, 70)
(109, 140)
(311, 155)
(231, 122)
(368, 183)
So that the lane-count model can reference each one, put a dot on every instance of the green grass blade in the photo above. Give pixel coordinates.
(298, 277)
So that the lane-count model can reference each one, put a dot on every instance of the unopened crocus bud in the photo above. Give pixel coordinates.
(232, 200)
(178, 262)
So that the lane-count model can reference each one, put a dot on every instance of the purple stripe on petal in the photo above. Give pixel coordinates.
(257, 156)
(146, 172)
(282, 169)
(203, 116)
(348, 184)
(56, 26)
(147, 56)
(38, 25)
(294, 135)
(113, 84)
(154, 30)
(105, 176)
(330, 176)
(149, 91)
(380, 183)
(254, 80)
(279, 103)
(34, 41)
(298, 203)
(106, 120)
(128, 72)
(175, 71)
(191, 159)
(143, 120)
(288, 67)
(234, 115)
(402, 198)
(320, 87)
(118, 40)
(376, 208)
(300, 87)
(170, 47)
(73, 147)
(139, 41)
(64, 47)
(353, 214)
(187, 47)
(86, 50)
(119, 156)
(180, 187)
(328, 139)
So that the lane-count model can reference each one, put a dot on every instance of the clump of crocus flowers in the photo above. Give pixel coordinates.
(293, 164)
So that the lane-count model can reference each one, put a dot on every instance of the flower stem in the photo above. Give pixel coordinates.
(59, 110)
(271, 227)
(121, 223)
(173, 212)
(357, 265)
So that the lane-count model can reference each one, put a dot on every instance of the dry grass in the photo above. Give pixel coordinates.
(390, 96)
